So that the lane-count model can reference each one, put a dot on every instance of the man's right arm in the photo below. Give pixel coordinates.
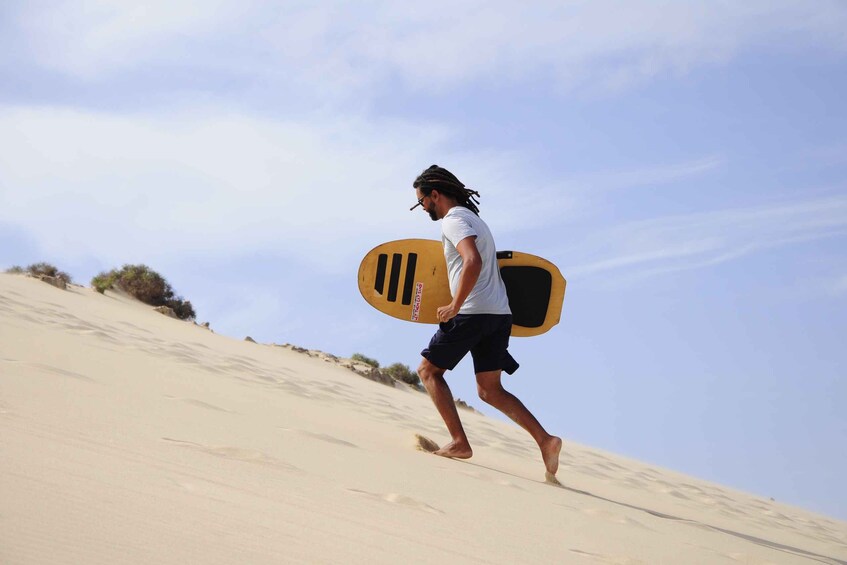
(471, 267)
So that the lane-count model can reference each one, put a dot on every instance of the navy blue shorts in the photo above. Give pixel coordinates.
(486, 336)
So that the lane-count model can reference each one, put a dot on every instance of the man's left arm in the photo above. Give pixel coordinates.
(471, 267)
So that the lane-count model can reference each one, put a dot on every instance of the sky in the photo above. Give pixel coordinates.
(684, 164)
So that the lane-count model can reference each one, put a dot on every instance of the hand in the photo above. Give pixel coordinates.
(447, 313)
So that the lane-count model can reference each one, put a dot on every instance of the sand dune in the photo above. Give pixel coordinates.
(130, 437)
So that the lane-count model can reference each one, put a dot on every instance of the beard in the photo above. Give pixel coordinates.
(432, 215)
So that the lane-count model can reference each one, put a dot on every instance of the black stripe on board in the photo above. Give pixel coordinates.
(394, 279)
(381, 264)
(410, 278)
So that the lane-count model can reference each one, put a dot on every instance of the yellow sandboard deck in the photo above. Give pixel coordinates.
(407, 279)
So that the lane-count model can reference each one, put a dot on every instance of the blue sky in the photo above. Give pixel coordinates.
(683, 163)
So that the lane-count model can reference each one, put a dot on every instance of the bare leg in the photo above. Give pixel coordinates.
(491, 391)
(432, 378)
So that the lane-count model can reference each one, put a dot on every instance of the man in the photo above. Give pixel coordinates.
(478, 320)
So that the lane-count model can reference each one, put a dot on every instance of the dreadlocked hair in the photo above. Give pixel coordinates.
(445, 182)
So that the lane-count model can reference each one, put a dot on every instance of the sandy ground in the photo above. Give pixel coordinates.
(130, 437)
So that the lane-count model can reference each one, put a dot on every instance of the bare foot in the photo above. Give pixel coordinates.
(552, 480)
(550, 449)
(454, 450)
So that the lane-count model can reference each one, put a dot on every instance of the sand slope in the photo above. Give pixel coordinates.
(130, 437)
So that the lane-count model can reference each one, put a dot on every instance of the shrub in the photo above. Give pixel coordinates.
(15, 270)
(103, 281)
(402, 373)
(182, 308)
(145, 284)
(42, 270)
(366, 360)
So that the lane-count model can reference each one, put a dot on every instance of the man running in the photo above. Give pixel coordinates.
(478, 320)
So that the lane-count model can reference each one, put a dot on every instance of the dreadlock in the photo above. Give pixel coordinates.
(445, 182)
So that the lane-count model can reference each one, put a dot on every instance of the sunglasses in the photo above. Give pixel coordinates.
(420, 203)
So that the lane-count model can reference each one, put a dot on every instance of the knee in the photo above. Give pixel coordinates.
(489, 393)
(427, 371)
(423, 372)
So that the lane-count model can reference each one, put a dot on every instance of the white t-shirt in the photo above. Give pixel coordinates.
(489, 294)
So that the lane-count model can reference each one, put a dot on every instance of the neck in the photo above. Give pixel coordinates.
(446, 207)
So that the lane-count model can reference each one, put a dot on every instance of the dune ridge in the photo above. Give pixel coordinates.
(130, 437)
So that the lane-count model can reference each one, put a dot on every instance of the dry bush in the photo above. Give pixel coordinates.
(145, 284)
(402, 373)
(366, 360)
(42, 270)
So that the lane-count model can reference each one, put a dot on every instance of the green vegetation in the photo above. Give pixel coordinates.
(402, 373)
(145, 284)
(366, 360)
(41, 270)
(397, 371)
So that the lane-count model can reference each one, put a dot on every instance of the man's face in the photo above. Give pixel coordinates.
(427, 204)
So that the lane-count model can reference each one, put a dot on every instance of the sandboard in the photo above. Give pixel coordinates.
(407, 279)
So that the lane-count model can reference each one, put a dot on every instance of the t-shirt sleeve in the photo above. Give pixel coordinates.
(456, 229)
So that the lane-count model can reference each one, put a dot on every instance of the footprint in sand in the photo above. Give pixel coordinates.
(400, 499)
(235, 453)
(133, 327)
(321, 437)
(634, 483)
(206, 405)
(614, 517)
(103, 336)
(602, 558)
(6, 410)
(591, 471)
(61, 372)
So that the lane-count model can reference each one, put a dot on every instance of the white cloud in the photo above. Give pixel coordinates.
(349, 48)
(651, 175)
(705, 239)
(88, 38)
(141, 188)
(90, 183)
